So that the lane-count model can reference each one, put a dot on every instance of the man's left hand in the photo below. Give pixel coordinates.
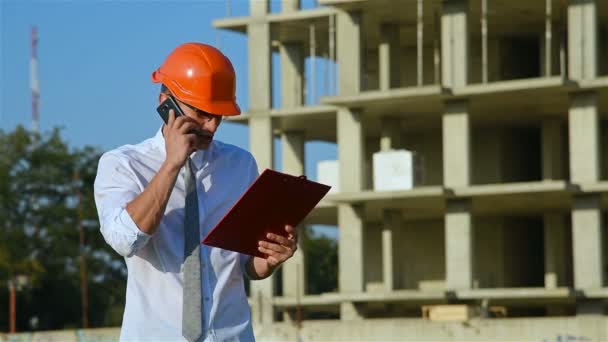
(279, 248)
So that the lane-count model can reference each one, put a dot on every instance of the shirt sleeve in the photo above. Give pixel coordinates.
(116, 186)
(252, 174)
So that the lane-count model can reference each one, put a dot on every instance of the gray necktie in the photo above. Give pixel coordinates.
(192, 323)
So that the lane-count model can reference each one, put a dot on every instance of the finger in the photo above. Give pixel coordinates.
(180, 120)
(280, 240)
(272, 257)
(273, 246)
(270, 253)
(171, 118)
(292, 233)
(187, 127)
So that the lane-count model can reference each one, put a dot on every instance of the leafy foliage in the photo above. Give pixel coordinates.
(46, 195)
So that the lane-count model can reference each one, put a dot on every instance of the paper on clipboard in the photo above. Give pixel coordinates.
(272, 201)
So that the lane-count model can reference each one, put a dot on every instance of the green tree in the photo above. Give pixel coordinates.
(39, 233)
(321, 254)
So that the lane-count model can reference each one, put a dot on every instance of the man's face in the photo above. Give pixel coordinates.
(207, 123)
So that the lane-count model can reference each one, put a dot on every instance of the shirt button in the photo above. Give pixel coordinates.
(207, 299)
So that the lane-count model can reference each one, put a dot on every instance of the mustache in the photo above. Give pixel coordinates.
(201, 133)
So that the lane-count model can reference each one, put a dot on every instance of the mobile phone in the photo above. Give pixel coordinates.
(167, 105)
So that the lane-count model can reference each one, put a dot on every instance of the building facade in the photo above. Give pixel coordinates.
(506, 102)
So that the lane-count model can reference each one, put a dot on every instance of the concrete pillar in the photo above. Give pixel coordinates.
(552, 150)
(292, 71)
(454, 43)
(582, 39)
(294, 279)
(348, 34)
(350, 219)
(390, 134)
(391, 223)
(290, 5)
(587, 241)
(389, 53)
(555, 250)
(261, 133)
(261, 142)
(459, 244)
(259, 8)
(456, 145)
(584, 130)
(350, 257)
(350, 150)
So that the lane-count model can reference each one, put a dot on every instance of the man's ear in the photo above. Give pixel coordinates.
(162, 97)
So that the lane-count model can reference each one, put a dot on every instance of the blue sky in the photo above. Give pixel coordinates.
(95, 62)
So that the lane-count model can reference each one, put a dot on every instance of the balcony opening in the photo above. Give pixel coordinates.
(508, 252)
(506, 154)
(516, 40)
(420, 257)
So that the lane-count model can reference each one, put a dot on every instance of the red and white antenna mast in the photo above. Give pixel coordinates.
(34, 81)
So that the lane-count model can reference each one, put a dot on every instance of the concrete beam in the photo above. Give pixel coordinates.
(454, 43)
(456, 145)
(587, 242)
(294, 279)
(348, 50)
(584, 130)
(292, 71)
(555, 251)
(459, 245)
(389, 53)
(552, 150)
(582, 39)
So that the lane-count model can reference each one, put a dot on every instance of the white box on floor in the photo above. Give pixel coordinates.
(328, 172)
(396, 170)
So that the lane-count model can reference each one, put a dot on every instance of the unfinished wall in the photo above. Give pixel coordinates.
(524, 252)
(489, 256)
(428, 144)
(409, 66)
(421, 256)
(372, 249)
(508, 252)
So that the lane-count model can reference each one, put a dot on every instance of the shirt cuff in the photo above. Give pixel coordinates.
(137, 238)
(244, 260)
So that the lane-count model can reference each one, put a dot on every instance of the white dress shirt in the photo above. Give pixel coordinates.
(153, 309)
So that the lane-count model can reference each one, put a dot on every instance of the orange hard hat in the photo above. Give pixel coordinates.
(201, 76)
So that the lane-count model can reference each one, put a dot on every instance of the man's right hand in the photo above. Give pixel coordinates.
(179, 144)
(148, 208)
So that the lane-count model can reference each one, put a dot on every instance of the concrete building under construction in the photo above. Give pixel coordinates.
(505, 106)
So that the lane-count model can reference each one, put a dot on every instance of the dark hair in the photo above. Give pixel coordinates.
(164, 89)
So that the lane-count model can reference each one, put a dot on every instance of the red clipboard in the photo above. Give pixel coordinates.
(272, 201)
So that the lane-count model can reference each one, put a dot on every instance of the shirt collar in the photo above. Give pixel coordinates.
(199, 157)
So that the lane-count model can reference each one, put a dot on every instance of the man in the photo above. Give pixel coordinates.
(158, 199)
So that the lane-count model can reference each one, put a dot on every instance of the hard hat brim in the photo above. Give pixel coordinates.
(224, 108)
